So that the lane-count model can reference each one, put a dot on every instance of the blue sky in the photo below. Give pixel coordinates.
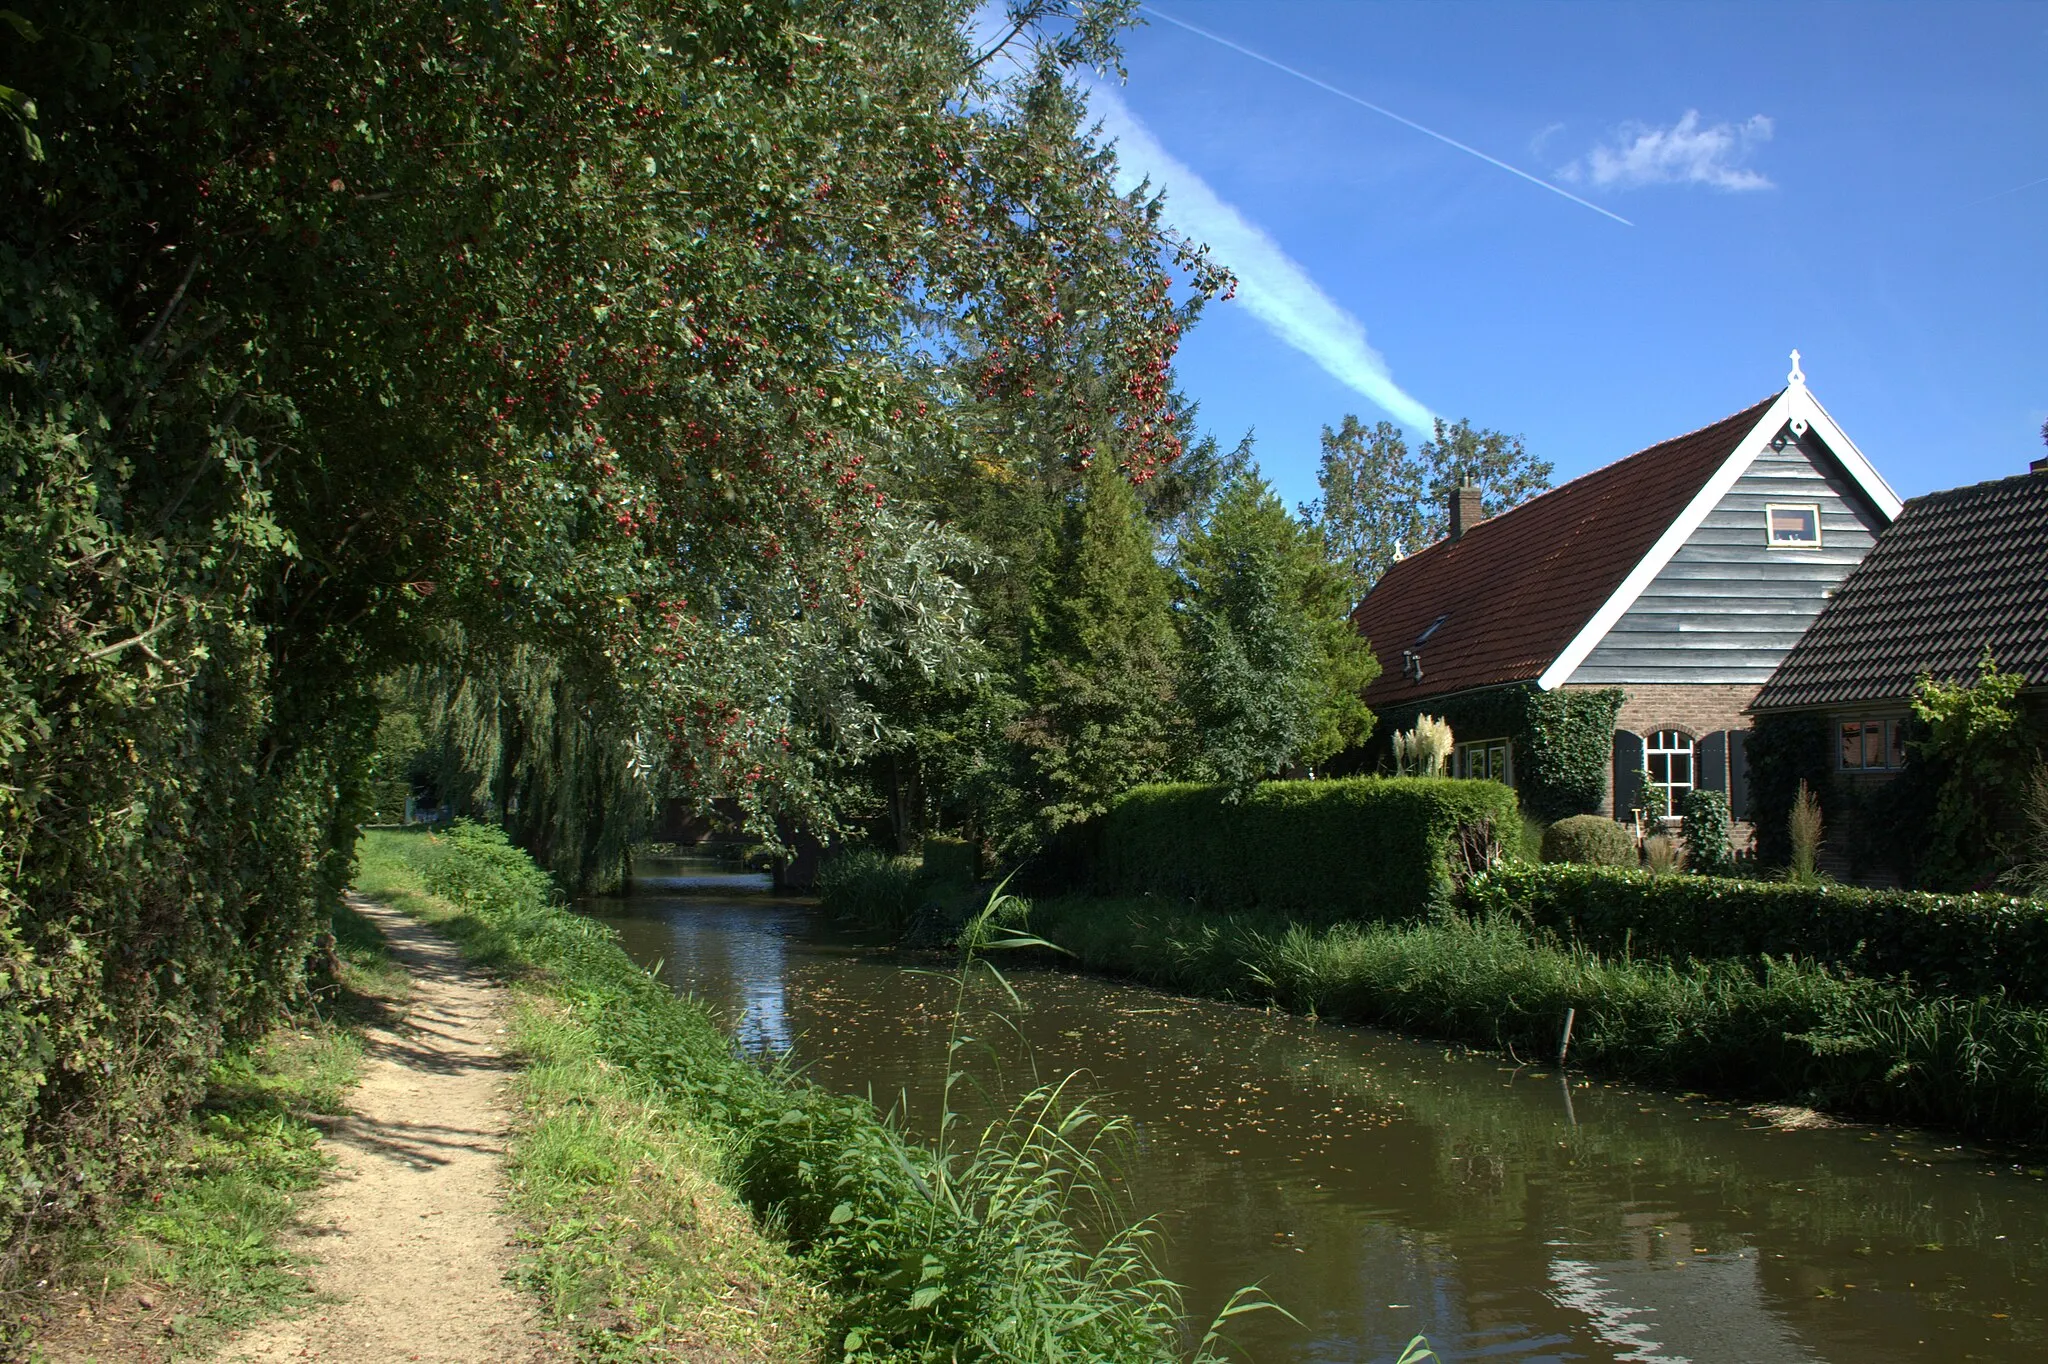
(1840, 178)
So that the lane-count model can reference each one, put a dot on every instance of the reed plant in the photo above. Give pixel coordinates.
(871, 888)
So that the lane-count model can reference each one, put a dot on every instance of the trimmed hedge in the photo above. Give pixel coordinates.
(1591, 841)
(1320, 851)
(1955, 944)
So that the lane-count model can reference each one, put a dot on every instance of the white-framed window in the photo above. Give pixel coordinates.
(1792, 525)
(1490, 759)
(1870, 743)
(1668, 757)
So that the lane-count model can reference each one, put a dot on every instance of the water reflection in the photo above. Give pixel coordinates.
(1380, 1187)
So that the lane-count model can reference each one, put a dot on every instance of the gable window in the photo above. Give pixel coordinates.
(1793, 525)
(1668, 757)
(1871, 744)
(1487, 759)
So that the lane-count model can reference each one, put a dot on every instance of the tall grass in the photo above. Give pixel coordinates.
(871, 888)
(1001, 1250)
(1769, 1028)
(1803, 831)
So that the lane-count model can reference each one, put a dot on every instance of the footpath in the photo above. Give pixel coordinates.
(409, 1247)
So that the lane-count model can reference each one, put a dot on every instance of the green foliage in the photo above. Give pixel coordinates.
(1770, 1028)
(570, 350)
(1956, 944)
(1783, 752)
(1589, 840)
(871, 888)
(926, 1258)
(1102, 656)
(1379, 502)
(1706, 830)
(1357, 848)
(1979, 741)
(1274, 672)
(1252, 650)
(1566, 744)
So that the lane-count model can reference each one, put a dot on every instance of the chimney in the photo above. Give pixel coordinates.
(2039, 466)
(1466, 509)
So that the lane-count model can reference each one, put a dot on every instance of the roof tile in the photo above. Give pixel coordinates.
(1515, 589)
(1958, 571)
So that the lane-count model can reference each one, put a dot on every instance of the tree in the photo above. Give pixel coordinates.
(346, 337)
(1379, 501)
(1275, 673)
(1099, 670)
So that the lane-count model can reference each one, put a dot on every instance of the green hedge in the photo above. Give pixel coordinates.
(1321, 851)
(1957, 944)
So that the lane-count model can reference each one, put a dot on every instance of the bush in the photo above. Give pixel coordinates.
(1589, 840)
(1706, 833)
(1960, 944)
(1357, 848)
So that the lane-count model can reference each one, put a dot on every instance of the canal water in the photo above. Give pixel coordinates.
(1379, 1187)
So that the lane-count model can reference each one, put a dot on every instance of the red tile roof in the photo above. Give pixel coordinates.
(1515, 589)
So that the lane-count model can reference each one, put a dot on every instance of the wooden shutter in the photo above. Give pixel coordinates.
(1628, 764)
(1712, 752)
(1738, 773)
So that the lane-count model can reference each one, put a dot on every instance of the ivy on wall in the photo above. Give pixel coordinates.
(1563, 740)
(1568, 737)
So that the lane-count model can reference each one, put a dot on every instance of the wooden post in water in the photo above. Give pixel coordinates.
(1564, 1044)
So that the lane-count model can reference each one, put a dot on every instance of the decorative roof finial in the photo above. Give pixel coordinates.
(1797, 378)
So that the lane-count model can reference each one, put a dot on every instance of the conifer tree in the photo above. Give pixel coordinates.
(1099, 669)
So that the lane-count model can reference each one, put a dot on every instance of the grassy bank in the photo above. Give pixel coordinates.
(1765, 1029)
(659, 1169)
(199, 1250)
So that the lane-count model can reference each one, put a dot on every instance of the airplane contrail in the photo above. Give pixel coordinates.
(1383, 112)
(2002, 193)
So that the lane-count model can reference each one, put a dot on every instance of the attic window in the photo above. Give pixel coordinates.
(1793, 525)
(1433, 626)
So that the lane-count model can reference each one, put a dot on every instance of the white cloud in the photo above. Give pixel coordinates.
(1270, 283)
(1682, 154)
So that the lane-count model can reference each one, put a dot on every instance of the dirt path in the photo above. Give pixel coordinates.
(408, 1239)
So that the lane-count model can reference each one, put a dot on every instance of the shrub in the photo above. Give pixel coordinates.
(1589, 840)
(1357, 848)
(1706, 830)
(1961, 944)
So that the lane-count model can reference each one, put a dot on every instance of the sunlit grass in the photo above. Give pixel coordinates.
(1769, 1028)
(1001, 1247)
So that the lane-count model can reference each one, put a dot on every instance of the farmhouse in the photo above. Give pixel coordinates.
(1615, 630)
(1960, 573)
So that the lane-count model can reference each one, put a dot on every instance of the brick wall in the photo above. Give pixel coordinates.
(1697, 708)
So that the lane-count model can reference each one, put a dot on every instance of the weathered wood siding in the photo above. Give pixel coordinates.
(1728, 607)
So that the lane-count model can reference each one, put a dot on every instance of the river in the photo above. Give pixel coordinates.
(1379, 1187)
